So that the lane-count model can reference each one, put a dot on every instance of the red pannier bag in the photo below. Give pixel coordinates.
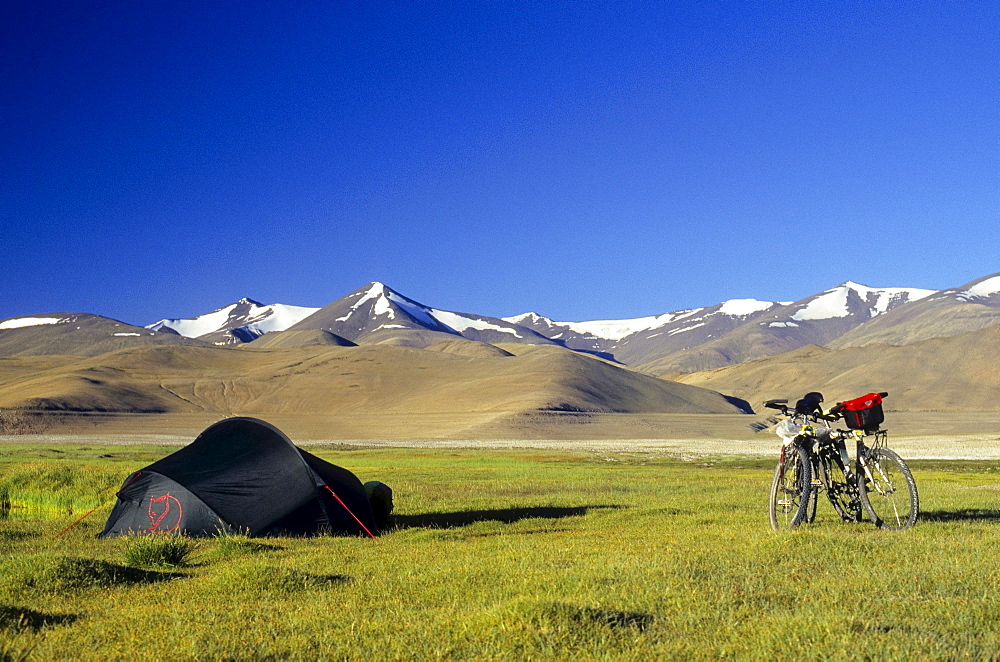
(864, 413)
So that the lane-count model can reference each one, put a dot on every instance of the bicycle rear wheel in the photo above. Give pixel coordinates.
(889, 494)
(791, 490)
(841, 492)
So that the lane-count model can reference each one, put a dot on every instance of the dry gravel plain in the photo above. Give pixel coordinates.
(915, 435)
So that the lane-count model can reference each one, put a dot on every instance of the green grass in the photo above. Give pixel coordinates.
(513, 555)
(157, 551)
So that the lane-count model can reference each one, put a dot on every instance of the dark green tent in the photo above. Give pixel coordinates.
(242, 475)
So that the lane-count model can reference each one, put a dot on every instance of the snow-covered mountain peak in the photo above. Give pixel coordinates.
(245, 320)
(374, 290)
(376, 310)
(839, 302)
(533, 318)
(386, 302)
(983, 289)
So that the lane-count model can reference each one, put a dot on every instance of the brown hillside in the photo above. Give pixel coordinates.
(936, 318)
(361, 381)
(959, 373)
(286, 339)
(81, 334)
(468, 348)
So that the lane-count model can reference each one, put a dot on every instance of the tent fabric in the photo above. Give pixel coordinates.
(241, 475)
(380, 498)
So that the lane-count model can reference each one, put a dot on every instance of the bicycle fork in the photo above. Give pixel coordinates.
(866, 472)
(786, 499)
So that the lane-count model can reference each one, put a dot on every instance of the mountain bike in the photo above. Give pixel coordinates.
(814, 458)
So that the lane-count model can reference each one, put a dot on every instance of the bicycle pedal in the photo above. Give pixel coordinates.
(784, 503)
(816, 481)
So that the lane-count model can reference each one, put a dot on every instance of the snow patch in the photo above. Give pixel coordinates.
(259, 319)
(743, 307)
(686, 328)
(885, 297)
(618, 329)
(197, 326)
(384, 301)
(826, 306)
(278, 317)
(374, 292)
(21, 322)
(985, 289)
(128, 334)
(834, 303)
(533, 318)
(460, 323)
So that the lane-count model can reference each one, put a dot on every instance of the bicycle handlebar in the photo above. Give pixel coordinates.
(834, 414)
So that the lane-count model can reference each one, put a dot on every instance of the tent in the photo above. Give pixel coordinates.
(241, 475)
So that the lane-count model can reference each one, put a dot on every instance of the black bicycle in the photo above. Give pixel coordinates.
(814, 459)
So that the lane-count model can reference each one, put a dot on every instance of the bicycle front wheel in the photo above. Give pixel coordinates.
(791, 490)
(888, 491)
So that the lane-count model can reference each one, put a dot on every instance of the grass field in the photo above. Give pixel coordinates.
(505, 554)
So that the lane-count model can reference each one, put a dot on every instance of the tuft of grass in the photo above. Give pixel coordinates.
(157, 551)
(14, 653)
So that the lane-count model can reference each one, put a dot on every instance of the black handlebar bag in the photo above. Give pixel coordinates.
(864, 413)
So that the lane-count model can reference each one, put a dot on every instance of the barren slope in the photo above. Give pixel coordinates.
(288, 339)
(79, 334)
(361, 381)
(944, 374)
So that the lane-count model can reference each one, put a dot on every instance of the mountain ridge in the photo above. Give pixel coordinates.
(689, 340)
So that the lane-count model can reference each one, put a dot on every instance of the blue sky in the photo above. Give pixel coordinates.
(584, 160)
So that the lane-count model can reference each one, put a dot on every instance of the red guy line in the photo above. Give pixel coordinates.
(349, 510)
(98, 506)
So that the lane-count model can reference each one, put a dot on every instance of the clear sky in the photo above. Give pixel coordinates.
(585, 160)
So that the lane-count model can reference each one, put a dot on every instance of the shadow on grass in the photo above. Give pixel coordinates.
(606, 617)
(504, 515)
(17, 536)
(60, 574)
(12, 618)
(963, 515)
(334, 579)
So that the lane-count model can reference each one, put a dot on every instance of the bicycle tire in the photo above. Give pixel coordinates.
(810, 516)
(791, 490)
(891, 502)
(841, 492)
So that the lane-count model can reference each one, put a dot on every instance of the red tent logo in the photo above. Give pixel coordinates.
(164, 513)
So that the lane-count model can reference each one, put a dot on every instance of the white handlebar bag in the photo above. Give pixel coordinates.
(788, 430)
